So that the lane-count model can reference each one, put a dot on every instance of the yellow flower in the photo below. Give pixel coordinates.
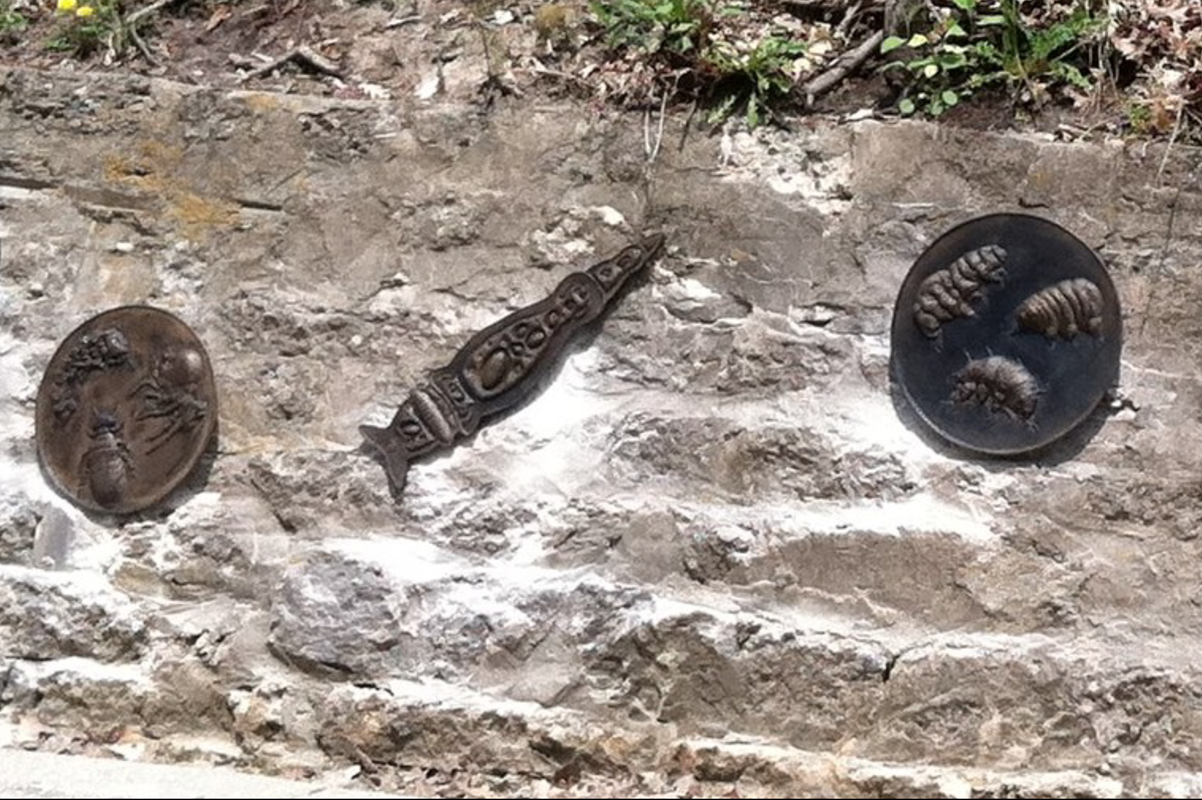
(67, 6)
(85, 11)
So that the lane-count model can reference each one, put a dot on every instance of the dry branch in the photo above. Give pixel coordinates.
(302, 54)
(843, 65)
(134, 16)
(136, 38)
(129, 27)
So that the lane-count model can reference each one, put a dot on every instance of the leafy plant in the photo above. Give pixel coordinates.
(84, 26)
(11, 22)
(1139, 117)
(978, 43)
(654, 26)
(755, 79)
(731, 69)
(943, 71)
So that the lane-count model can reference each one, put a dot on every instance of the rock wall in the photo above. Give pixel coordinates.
(713, 553)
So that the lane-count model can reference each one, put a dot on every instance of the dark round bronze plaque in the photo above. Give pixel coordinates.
(125, 410)
(1007, 334)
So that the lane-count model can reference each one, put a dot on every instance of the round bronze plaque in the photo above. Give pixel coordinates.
(1007, 334)
(126, 409)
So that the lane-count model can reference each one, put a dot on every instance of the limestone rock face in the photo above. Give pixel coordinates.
(45, 616)
(18, 524)
(338, 614)
(712, 554)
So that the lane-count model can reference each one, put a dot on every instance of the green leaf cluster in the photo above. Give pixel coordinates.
(735, 74)
(12, 22)
(977, 43)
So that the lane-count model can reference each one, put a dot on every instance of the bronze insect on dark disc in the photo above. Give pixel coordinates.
(1007, 333)
(125, 410)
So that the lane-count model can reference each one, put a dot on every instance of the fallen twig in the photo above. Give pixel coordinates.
(539, 69)
(850, 17)
(220, 15)
(136, 38)
(239, 60)
(843, 65)
(302, 54)
(1172, 140)
(396, 23)
(129, 27)
(650, 146)
(134, 16)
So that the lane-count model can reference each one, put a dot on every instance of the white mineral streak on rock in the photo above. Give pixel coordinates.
(610, 216)
(428, 87)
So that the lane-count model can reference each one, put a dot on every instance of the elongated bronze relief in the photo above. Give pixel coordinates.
(500, 366)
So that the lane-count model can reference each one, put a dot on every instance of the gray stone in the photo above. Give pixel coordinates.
(100, 702)
(450, 731)
(54, 538)
(768, 771)
(45, 616)
(337, 615)
(18, 524)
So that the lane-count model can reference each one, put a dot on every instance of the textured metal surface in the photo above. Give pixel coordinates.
(501, 365)
(1007, 333)
(125, 410)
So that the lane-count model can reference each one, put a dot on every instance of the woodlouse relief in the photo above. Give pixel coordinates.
(1006, 334)
(953, 292)
(1000, 384)
(1063, 310)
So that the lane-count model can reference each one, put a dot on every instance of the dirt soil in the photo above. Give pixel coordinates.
(476, 52)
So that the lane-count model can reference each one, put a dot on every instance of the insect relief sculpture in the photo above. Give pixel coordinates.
(1006, 335)
(499, 367)
(126, 409)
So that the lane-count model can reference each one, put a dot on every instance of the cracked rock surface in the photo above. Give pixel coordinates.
(714, 554)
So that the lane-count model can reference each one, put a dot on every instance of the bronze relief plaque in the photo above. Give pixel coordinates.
(125, 410)
(501, 365)
(1007, 333)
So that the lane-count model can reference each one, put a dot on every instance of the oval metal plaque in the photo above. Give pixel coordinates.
(125, 410)
(1007, 333)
